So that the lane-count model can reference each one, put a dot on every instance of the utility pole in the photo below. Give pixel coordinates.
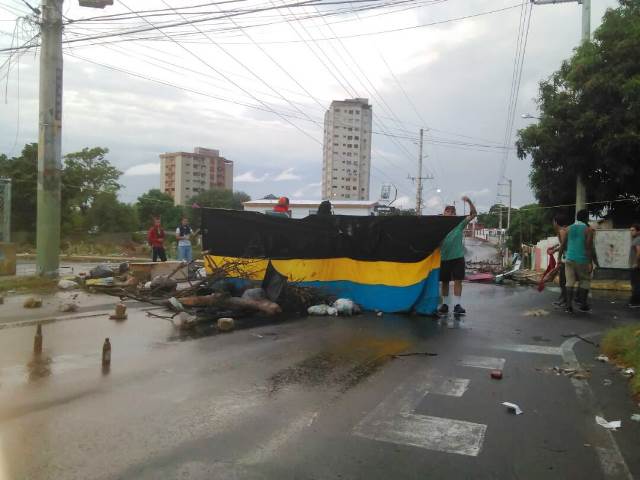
(502, 195)
(49, 139)
(581, 189)
(5, 210)
(419, 178)
(509, 211)
(419, 189)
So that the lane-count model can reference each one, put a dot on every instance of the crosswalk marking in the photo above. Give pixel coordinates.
(394, 420)
(490, 363)
(539, 349)
(424, 431)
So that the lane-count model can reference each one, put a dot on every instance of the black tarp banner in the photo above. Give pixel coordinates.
(388, 238)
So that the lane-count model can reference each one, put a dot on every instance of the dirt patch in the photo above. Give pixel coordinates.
(341, 367)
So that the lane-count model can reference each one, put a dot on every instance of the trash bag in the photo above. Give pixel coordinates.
(254, 294)
(344, 306)
(67, 284)
(321, 309)
(101, 271)
(274, 283)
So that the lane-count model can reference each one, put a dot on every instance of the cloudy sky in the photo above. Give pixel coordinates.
(258, 93)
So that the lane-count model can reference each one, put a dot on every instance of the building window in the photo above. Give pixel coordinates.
(351, 111)
(337, 110)
(356, 137)
(357, 112)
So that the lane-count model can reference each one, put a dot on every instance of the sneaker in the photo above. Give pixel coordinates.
(634, 305)
(560, 304)
(569, 309)
(584, 307)
(458, 310)
(443, 309)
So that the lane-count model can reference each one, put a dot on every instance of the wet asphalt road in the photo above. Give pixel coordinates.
(313, 398)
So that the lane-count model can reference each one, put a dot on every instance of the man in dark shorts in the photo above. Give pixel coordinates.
(452, 265)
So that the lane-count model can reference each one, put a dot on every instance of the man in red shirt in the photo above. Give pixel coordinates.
(156, 240)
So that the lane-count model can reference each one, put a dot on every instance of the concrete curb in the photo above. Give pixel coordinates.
(611, 460)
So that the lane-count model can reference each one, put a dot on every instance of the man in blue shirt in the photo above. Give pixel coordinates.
(452, 265)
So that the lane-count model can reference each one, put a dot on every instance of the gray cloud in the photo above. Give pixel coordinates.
(457, 75)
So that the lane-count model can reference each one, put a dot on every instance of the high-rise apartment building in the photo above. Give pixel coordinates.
(346, 157)
(184, 174)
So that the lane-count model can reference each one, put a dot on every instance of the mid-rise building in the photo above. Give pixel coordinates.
(184, 174)
(346, 156)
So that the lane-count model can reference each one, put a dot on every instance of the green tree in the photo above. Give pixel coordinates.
(108, 215)
(86, 175)
(590, 122)
(155, 203)
(238, 199)
(491, 219)
(23, 172)
(529, 224)
(215, 198)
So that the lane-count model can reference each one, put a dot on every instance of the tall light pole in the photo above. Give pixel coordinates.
(49, 140)
(581, 189)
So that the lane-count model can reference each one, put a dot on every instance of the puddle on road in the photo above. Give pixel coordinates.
(342, 367)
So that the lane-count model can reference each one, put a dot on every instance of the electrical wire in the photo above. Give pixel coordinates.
(238, 86)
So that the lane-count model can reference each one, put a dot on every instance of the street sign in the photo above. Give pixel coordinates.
(95, 3)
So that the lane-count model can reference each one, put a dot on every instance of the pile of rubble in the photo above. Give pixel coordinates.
(193, 295)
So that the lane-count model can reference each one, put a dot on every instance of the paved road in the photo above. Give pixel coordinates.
(313, 398)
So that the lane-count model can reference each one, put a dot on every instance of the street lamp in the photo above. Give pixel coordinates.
(529, 116)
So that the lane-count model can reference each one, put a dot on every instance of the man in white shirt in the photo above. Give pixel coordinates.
(183, 235)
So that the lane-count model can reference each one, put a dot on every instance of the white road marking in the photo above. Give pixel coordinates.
(611, 459)
(270, 448)
(393, 419)
(540, 349)
(431, 433)
(490, 363)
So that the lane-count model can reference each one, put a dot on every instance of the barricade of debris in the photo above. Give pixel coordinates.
(194, 295)
(486, 271)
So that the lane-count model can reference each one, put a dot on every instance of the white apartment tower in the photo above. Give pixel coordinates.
(346, 155)
(184, 174)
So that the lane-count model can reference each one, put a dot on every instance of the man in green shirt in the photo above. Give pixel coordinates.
(452, 265)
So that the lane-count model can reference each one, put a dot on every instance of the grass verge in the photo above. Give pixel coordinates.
(622, 346)
(28, 284)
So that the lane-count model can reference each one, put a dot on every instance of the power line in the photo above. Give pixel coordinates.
(247, 68)
(516, 81)
(326, 38)
(237, 85)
